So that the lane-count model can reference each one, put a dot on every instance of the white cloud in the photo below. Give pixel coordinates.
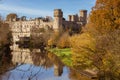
(23, 10)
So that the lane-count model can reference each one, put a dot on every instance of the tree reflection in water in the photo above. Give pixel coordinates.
(39, 66)
(29, 64)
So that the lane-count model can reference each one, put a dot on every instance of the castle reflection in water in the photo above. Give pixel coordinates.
(33, 65)
(34, 57)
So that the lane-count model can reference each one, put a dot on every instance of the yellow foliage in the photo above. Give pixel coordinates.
(105, 15)
(83, 40)
(98, 46)
(50, 42)
(83, 46)
(63, 42)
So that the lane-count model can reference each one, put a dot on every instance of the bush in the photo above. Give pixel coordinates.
(63, 42)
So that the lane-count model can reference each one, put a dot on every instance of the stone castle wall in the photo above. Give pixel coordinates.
(21, 27)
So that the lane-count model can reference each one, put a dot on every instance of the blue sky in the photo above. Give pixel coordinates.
(37, 8)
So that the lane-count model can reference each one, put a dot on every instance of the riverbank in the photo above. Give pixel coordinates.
(64, 55)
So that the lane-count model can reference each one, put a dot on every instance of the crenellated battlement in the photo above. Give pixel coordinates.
(21, 27)
(58, 13)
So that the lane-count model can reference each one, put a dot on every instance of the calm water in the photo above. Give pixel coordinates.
(31, 72)
(37, 66)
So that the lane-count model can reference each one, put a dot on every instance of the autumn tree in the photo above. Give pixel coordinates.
(39, 38)
(11, 16)
(80, 54)
(63, 42)
(100, 53)
(5, 42)
(4, 32)
(98, 47)
(105, 15)
(54, 39)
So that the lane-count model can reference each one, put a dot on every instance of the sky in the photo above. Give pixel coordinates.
(38, 8)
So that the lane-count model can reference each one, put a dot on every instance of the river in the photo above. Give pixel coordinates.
(33, 65)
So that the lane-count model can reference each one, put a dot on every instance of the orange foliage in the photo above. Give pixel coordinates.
(105, 15)
(63, 42)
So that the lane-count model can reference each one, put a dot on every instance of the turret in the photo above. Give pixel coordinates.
(83, 16)
(23, 18)
(69, 17)
(73, 18)
(58, 16)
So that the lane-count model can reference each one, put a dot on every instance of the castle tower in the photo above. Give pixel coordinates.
(58, 16)
(23, 18)
(83, 16)
(73, 18)
(69, 17)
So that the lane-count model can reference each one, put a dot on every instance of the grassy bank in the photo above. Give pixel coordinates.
(64, 55)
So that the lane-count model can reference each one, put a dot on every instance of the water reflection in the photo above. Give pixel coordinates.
(36, 58)
(33, 65)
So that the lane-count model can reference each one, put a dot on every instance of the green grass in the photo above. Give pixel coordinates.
(64, 55)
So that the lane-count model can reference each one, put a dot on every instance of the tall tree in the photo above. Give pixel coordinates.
(105, 15)
(5, 42)
(98, 47)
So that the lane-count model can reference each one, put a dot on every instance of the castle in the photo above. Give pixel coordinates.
(21, 27)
